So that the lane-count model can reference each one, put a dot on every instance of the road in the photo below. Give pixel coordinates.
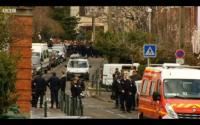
(98, 107)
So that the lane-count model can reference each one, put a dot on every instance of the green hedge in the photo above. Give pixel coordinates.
(7, 81)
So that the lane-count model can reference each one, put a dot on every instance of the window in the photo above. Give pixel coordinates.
(82, 11)
(158, 87)
(44, 53)
(78, 64)
(182, 88)
(152, 87)
(144, 87)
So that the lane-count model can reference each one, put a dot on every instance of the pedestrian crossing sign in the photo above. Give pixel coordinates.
(150, 50)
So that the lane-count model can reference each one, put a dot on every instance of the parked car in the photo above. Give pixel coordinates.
(41, 50)
(77, 66)
(36, 65)
(52, 58)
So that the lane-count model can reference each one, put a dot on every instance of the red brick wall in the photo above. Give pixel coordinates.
(21, 45)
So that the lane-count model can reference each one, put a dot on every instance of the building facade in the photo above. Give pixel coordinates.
(86, 19)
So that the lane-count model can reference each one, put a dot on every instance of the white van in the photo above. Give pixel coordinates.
(36, 66)
(77, 66)
(41, 50)
(109, 70)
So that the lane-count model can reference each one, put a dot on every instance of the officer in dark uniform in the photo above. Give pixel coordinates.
(33, 95)
(70, 48)
(125, 93)
(40, 87)
(54, 88)
(87, 49)
(63, 81)
(77, 87)
(134, 77)
(115, 86)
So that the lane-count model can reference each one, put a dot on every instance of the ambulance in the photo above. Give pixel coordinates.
(170, 91)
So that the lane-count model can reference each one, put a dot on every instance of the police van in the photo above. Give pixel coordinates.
(109, 70)
(170, 91)
(77, 65)
(40, 50)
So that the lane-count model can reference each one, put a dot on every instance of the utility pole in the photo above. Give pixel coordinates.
(149, 10)
(93, 27)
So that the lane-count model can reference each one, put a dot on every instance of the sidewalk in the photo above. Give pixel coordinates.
(38, 113)
(104, 96)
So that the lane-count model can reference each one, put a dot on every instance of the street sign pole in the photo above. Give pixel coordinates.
(148, 61)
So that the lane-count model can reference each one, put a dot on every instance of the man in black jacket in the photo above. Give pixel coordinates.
(63, 81)
(77, 87)
(54, 87)
(39, 84)
(115, 86)
(134, 77)
(125, 93)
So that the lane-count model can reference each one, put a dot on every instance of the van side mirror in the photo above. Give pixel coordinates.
(90, 66)
(156, 96)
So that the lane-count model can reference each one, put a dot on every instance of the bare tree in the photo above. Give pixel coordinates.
(42, 17)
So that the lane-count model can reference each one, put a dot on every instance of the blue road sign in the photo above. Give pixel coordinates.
(150, 50)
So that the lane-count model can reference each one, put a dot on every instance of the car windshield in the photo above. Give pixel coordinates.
(36, 54)
(78, 64)
(35, 60)
(182, 88)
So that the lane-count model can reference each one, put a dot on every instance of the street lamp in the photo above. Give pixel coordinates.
(149, 10)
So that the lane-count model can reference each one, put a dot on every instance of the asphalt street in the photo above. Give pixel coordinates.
(95, 107)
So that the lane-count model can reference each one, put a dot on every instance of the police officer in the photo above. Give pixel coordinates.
(63, 81)
(116, 73)
(54, 88)
(33, 95)
(125, 93)
(40, 87)
(134, 77)
(115, 86)
(77, 87)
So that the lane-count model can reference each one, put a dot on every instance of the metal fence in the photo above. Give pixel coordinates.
(71, 106)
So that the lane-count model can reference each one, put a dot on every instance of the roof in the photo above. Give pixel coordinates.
(176, 71)
(134, 64)
(182, 73)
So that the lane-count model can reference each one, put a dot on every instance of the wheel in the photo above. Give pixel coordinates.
(140, 115)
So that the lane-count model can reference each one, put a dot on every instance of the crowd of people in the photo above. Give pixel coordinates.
(55, 84)
(124, 89)
(84, 48)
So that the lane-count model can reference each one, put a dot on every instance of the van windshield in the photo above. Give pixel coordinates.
(182, 88)
(78, 64)
(36, 54)
(35, 60)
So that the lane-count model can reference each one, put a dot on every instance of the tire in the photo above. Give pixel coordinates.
(140, 115)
